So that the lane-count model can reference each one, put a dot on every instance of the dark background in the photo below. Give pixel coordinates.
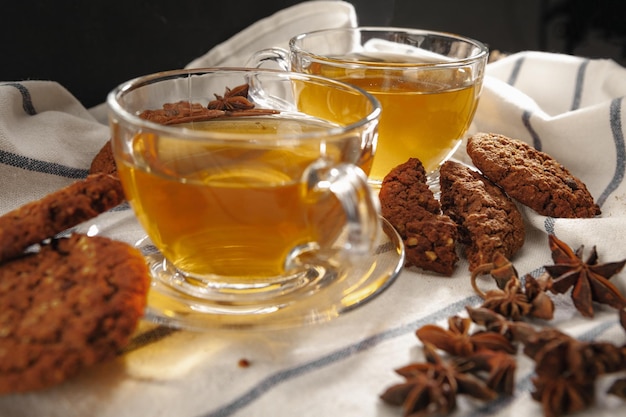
(91, 46)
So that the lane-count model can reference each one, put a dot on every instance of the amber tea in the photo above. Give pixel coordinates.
(252, 211)
(228, 210)
(425, 112)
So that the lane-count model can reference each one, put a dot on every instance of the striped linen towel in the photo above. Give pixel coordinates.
(567, 106)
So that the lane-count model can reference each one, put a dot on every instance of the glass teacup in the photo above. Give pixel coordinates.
(252, 196)
(428, 84)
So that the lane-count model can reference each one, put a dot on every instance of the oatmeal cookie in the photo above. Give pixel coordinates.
(532, 177)
(489, 221)
(56, 212)
(104, 162)
(72, 304)
(408, 204)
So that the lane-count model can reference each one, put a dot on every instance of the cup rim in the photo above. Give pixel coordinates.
(115, 108)
(483, 50)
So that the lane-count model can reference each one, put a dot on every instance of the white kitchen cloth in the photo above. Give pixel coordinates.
(568, 106)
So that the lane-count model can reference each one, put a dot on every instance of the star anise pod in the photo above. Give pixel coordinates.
(500, 269)
(491, 320)
(566, 369)
(606, 357)
(511, 299)
(498, 365)
(494, 322)
(535, 290)
(233, 103)
(618, 388)
(419, 394)
(180, 112)
(430, 388)
(560, 395)
(458, 341)
(564, 382)
(588, 279)
(233, 99)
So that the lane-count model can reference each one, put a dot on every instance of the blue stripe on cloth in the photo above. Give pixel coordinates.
(27, 102)
(533, 134)
(30, 164)
(549, 225)
(347, 352)
(615, 119)
(43, 167)
(517, 68)
(517, 65)
(580, 79)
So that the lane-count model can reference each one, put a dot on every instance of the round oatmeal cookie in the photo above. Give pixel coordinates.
(72, 304)
(56, 212)
(489, 221)
(104, 162)
(410, 206)
(532, 177)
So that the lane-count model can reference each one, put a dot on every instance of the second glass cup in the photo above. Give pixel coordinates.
(428, 84)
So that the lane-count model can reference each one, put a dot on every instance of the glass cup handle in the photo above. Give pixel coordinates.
(362, 208)
(263, 57)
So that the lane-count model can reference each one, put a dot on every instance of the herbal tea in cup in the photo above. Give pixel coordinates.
(428, 84)
(245, 196)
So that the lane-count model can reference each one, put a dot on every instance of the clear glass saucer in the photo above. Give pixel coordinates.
(351, 288)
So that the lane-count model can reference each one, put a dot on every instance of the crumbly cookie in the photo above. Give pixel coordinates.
(104, 162)
(56, 212)
(409, 205)
(73, 304)
(489, 221)
(532, 177)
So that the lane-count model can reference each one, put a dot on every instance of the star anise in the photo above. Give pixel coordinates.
(458, 341)
(560, 395)
(606, 357)
(233, 99)
(564, 382)
(430, 388)
(491, 320)
(566, 369)
(494, 322)
(180, 112)
(618, 388)
(420, 393)
(233, 103)
(498, 365)
(511, 299)
(535, 290)
(588, 279)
